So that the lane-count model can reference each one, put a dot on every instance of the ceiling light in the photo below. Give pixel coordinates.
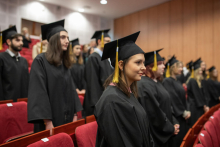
(103, 2)
(42, 0)
(81, 10)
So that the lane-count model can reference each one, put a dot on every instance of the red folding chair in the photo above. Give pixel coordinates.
(205, 139)
(86, 134)
(199, 145)
(90, 118)
(209, 127)
(14, 121)
(59, 140)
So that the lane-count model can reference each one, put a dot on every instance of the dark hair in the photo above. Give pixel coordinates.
(212, 77)
(55, 54)
(13, 37)
(121, 84)
(149, 73)
(73, 57)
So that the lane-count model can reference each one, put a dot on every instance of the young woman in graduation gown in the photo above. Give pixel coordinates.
(178, 98)
(77, 69)
(197, 94)
(52, 97)
(157, 102)
(213, 87)
(122, 121)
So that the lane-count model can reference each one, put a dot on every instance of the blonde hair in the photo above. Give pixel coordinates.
(198, 77)
(174, 66)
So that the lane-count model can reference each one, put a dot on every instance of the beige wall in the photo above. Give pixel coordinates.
(187, 28)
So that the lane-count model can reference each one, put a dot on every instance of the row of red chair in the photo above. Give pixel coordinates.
(192, 137)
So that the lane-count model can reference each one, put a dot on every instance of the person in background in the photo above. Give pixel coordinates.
(14, 75)
(85, 53)
(96, 72)
(156, 101)
(213, 87)
(26, 37)
(122, 121)
(91, 50)
(186, 73)
(77, 69)
(178, 98)
(37, 48)
(197, 94)
(52, 97)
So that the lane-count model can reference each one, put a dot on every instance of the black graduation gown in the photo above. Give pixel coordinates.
(213, 90)
(179, 103)
(26, 42)
(122, 121)
(52, 94)
(197, 99)
(96, 72)
(156, 101)
(14, 77)
(182, 78)
(77, 72)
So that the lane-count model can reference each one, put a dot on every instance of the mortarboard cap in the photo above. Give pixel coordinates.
(211, 68)
(7, 34)
(49, 30)
(75, 42)
(101, 35)
(149, 57)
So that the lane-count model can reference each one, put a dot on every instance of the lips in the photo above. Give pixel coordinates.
(140, 74)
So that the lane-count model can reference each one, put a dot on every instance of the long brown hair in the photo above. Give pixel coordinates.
(73, 57)
(212, 77)
(121, 84)
(197, 77)
(149, 73)
(55, 55)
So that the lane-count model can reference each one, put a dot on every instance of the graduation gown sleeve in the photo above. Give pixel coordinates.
(39, 107)
(178, 106)
(116, 123)
(162, 128)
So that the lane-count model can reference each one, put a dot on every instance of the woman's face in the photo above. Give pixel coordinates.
(200, 71)
(203, 66)
(160, 70)
(215, 73)
(77, 50)
(178, 69)
(64, 40)
(134, 68)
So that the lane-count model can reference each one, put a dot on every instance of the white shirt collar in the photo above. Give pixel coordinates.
(98, 51)
(12, 54)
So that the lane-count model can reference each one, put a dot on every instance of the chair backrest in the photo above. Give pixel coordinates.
(25, 141)
(68, 128)
(58, 140)
(22, 100)
(205, 139)
(13, 120)
(216, 123)
(79, 114)
(209, 127)
(199, 145)
(90, 118)
(198, 126)
(86, 134)
(189, 138)
(6, 101)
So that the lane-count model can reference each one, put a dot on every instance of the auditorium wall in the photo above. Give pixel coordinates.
(80, 25)
(187, 28)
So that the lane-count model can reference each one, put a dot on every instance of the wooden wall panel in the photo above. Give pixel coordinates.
(135, 24)
(118, 28)
(205, 30)
(189, 30)
(152, 29)
(164, 29)
(216, 53)
(143, 41)
(176, 29)
(126, 25)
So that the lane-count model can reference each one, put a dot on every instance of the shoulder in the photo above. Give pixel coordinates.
(3, 54)
(167, 80)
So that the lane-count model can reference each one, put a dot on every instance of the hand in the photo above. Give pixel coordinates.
(188, 116)
(75, 117)
(207, 109)
(176, 129)
(48, 125)
(219, 98)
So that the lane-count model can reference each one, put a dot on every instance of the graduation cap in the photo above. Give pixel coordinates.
(49, 30)
(7, 34)
(210, 70)
(189, 65)
(72, 44)
(153, 57)
(121, 49)
(169, 64)
(195, 66)
(101, 35)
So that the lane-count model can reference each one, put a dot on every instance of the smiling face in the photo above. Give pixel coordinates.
(134, 68)
(64, 40)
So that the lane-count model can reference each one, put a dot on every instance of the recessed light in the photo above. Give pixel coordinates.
(103, 2)
(42, 0)
(81, 10)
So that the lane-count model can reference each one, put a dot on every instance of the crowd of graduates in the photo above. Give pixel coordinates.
(138, 98)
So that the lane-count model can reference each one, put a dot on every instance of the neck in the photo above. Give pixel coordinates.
(99, 47)
(173, 76)
(13, 51)
(129, 82)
